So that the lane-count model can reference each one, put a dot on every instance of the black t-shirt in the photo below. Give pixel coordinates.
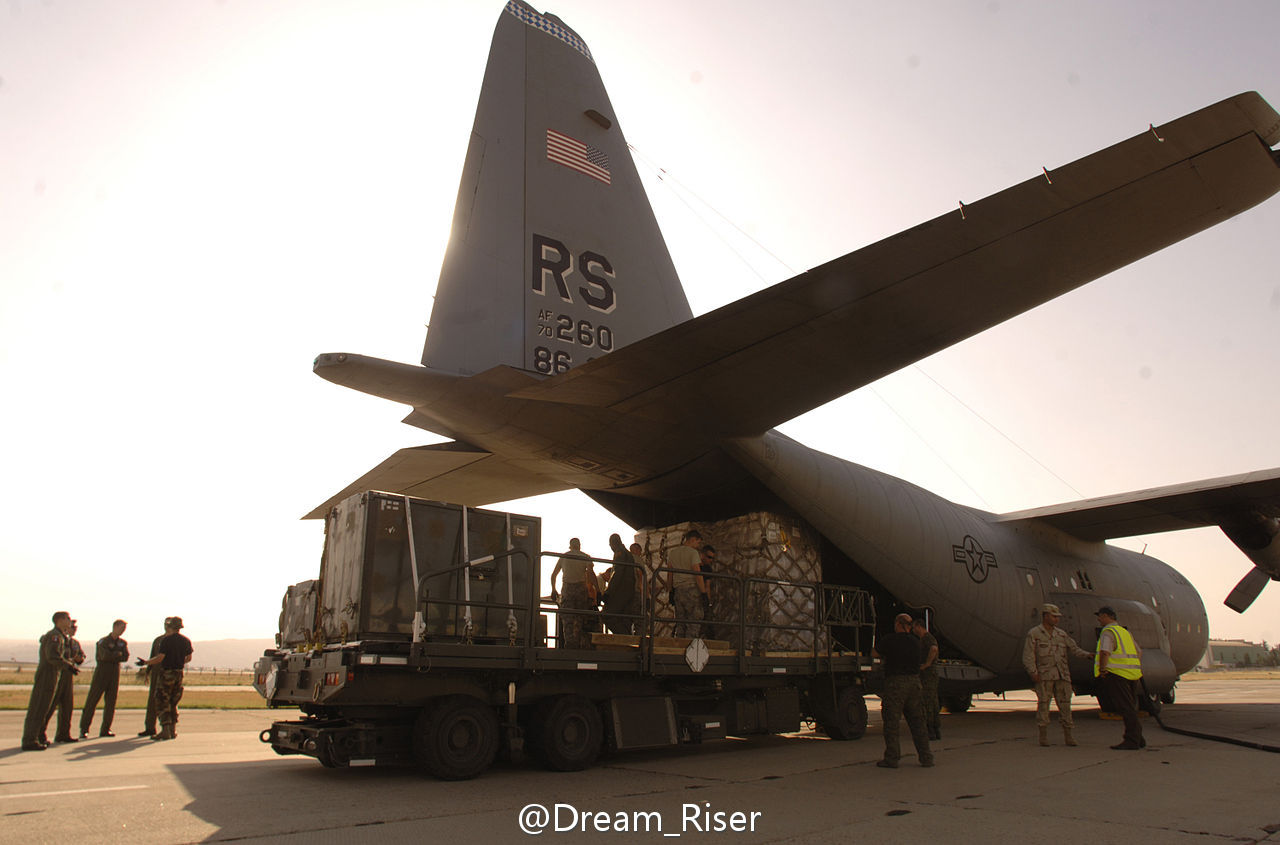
(622, 584)
(175, 649)
(901, 653)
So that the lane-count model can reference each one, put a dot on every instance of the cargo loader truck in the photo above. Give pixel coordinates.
(425, 642)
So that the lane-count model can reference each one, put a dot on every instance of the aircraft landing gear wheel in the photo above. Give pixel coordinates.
(566, 733)
(958, 703)
(1149, 702)
(1167, 697)
(456, 738)
(847, 719)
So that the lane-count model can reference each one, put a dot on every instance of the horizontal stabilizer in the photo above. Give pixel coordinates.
(1218, 501)
(448, 472)
(772, 356)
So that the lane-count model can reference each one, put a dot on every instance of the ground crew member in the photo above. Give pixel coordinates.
(64, 701)
(1044, 656)
(575, 596)
(175, 654)
(44, 686)
(901, 656)
(110, 653)
(1118, 668)
(622, 589)
(710, 610)
(687, 585)
(153, 678)
(928, 678)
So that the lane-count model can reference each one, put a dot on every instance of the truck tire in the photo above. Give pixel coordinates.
(847, 718)
(566, 733)
(456, 738)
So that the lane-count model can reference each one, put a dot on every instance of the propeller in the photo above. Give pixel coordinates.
(1248, 589)
(1254, 533)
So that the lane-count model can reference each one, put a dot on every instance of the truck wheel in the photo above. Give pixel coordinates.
(848, 718)
(456, 738)
(958, 703)
(566, 733)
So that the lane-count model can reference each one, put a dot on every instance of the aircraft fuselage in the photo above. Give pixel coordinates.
(983, 579)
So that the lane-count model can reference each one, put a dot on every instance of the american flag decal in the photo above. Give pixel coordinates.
(578, 156)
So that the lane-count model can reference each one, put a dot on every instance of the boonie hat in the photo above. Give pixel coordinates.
(1050, 608)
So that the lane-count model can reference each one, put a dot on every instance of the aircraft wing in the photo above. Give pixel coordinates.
(1246, 508)
(1216, 501)
(450, 472)
(771, 356)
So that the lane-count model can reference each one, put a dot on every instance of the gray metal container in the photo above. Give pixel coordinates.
(367, 574)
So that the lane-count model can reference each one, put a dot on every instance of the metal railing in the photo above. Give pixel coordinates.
(750, 625)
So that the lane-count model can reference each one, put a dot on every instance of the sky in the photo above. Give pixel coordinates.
(197, 198)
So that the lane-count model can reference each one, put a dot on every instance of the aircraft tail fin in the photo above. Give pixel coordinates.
(555, 257)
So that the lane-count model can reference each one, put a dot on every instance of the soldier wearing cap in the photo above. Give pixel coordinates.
(1044, 655)
(173, 656)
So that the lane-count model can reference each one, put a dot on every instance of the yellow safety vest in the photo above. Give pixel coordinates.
(1124, 661)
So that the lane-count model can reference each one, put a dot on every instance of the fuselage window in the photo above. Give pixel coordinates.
(1074, 586)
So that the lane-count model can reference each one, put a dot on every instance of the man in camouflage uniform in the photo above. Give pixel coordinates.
(928, 677)
(901, 655)
(111, 652)
(64, 701)
(44, 687)
(575, 596)
(1044, 656)
(175, 654)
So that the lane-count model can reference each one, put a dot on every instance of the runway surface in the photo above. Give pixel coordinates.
(992, 783)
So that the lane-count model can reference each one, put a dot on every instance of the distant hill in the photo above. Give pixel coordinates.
(209, 654)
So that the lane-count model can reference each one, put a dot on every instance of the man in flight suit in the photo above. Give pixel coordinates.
(64, 700)
(44, 687)
(153, 678)
(112, 651)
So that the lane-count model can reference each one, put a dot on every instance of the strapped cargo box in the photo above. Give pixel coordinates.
(779, 616)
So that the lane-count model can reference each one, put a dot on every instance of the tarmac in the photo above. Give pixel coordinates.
(992, 784)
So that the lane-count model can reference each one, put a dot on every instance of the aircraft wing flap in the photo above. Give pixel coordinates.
(1218, 501)
(771, 356)
(446, 472)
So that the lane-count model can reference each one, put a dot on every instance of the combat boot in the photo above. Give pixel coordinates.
(165, 733)
(1067, 737)
(1044, 735)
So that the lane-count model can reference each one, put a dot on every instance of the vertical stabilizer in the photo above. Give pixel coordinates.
(555, 257)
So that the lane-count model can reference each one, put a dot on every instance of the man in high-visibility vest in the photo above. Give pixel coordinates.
(1118, 666)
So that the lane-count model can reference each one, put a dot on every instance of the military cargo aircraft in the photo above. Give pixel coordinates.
(562, 353)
